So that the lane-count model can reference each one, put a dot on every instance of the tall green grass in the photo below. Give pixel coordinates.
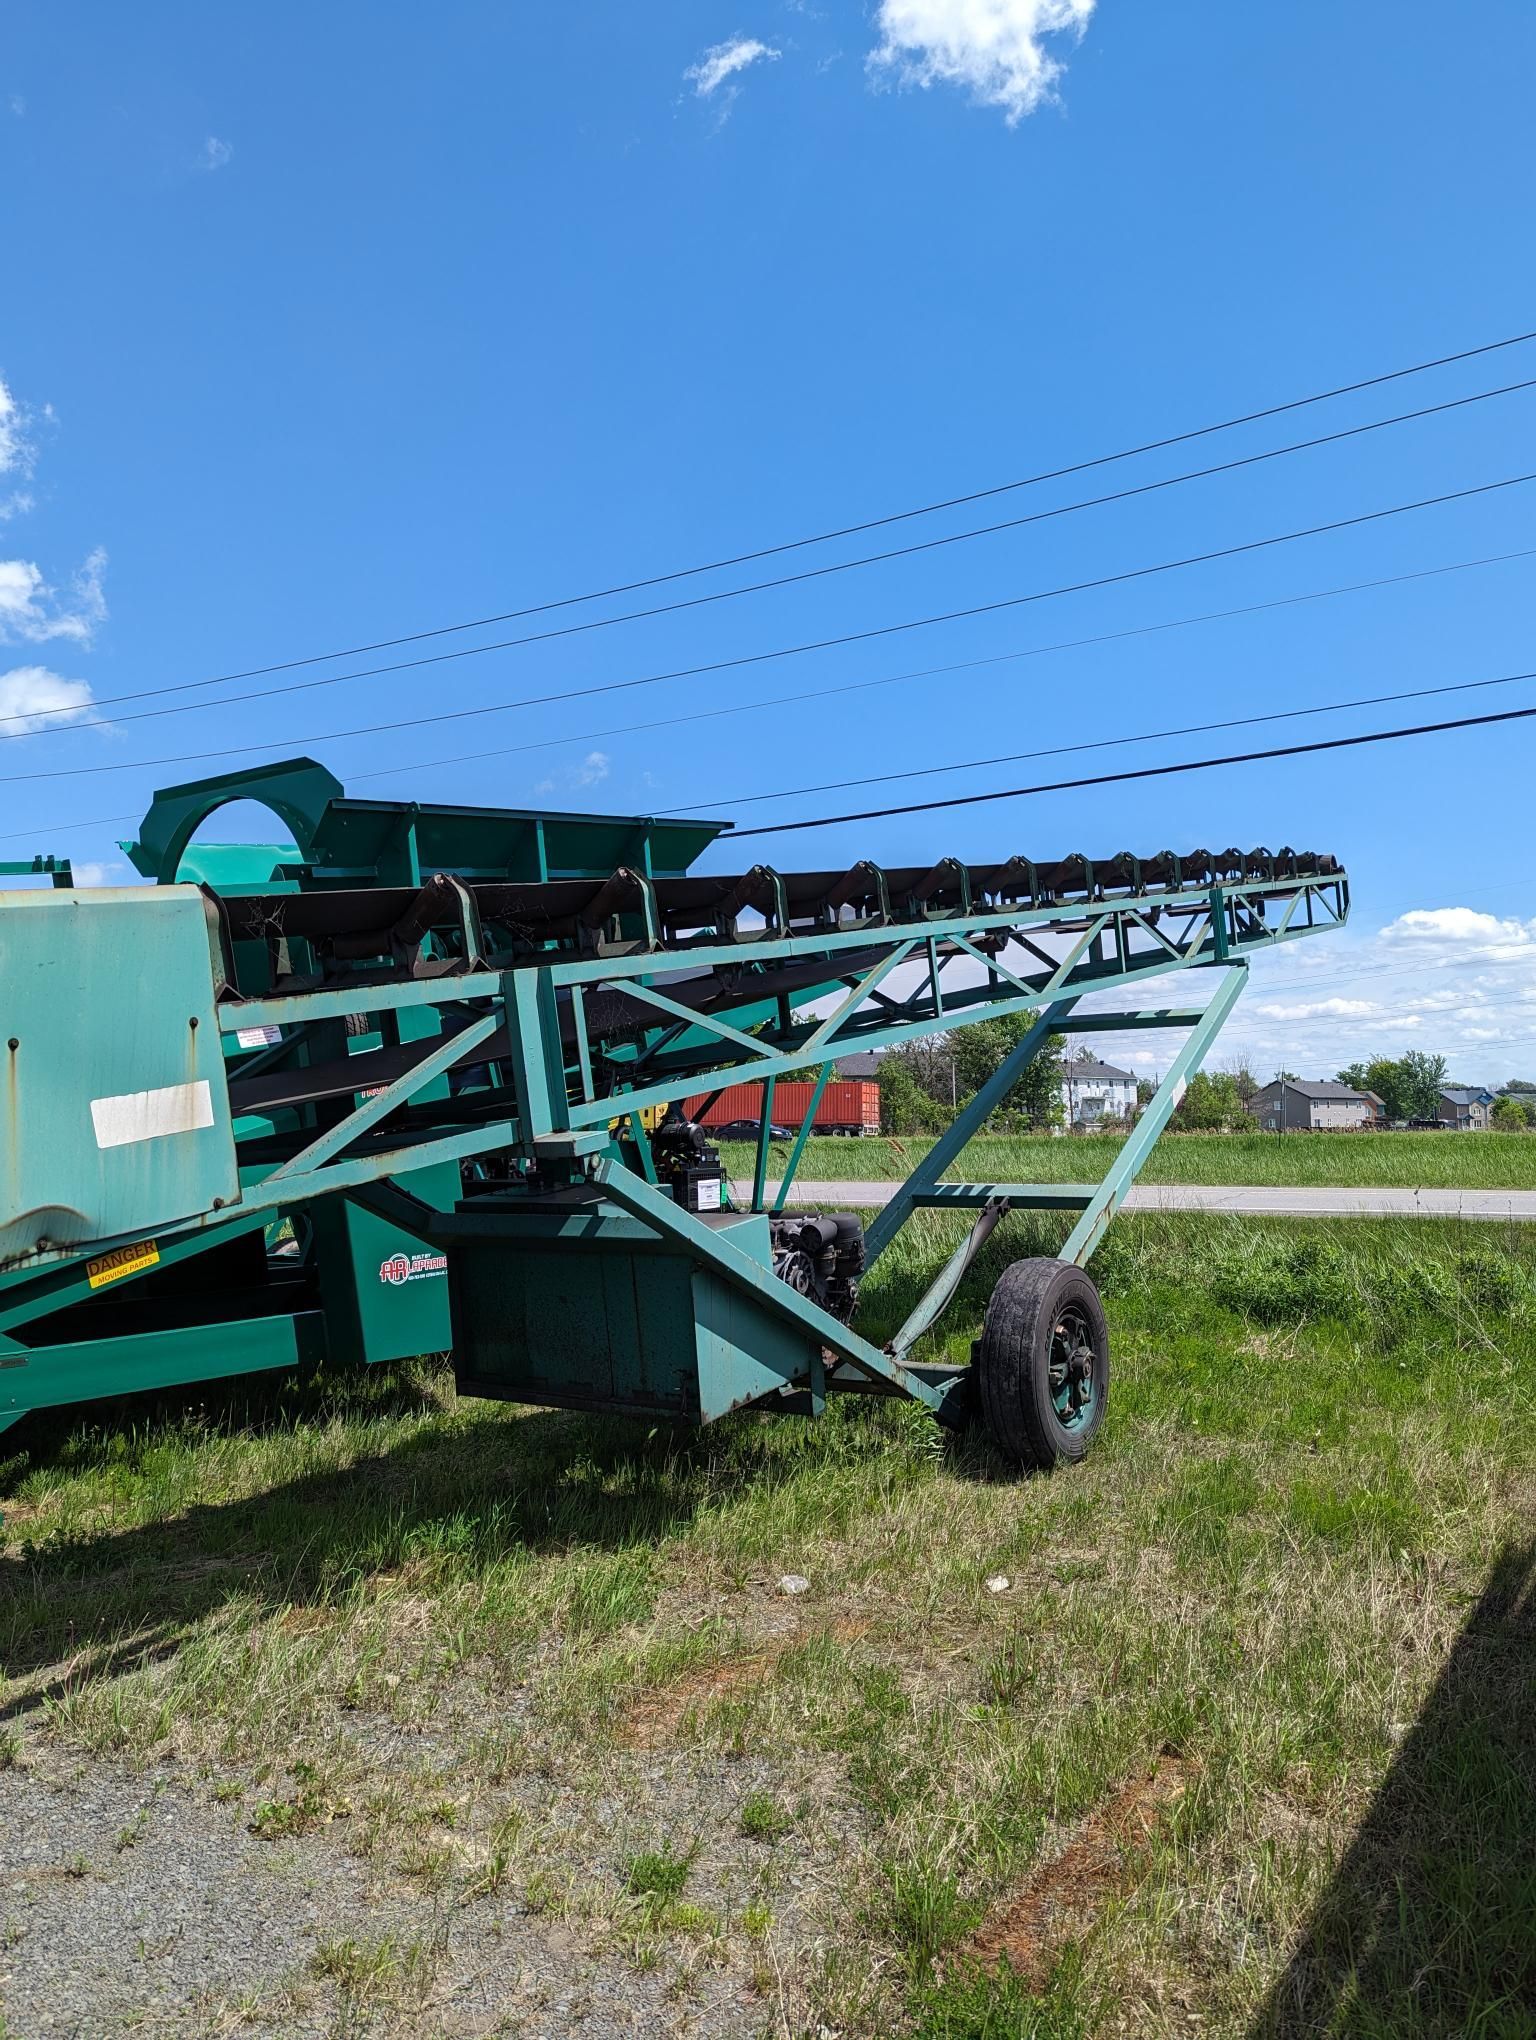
(1421, 1161)
(1278, 1564)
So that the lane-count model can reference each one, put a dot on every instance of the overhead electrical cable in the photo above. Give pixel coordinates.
(741, 559)
(1238, 722)
(779, 701)
(922, 807)
(779, 581)
(417, 722)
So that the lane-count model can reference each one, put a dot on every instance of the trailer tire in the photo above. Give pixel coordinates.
(1042, 1363)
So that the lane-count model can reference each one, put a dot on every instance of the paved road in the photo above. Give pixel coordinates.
(1268, 1201)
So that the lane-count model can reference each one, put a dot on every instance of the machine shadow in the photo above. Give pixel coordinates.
(103, 1603)
(1429, 1926)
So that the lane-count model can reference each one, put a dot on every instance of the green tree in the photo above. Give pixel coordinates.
(905, 1107)
(1423, 1079)
(1520, 1086)
(979, 1052)
(1211, 1104)
(1389, 1080)
(1509, 1115)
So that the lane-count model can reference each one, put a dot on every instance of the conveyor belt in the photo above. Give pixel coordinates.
(511, 922)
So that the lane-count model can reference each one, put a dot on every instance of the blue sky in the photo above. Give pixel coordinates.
(328, 324)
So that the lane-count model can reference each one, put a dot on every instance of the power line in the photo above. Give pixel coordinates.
(780, 701)
(416, 722)
(872, 523)
(1238, 722)
(782, 580)
(921, 807)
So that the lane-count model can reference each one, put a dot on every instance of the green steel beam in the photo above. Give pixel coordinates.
(1125, 1168)
(828, 942)
(88, 1368)
(287, 1007)
(708, 1023)
(764, 1137)
(383, 1102)
(967, 1121)
(60, 1283)
(1129, 1023)
(801, 1137)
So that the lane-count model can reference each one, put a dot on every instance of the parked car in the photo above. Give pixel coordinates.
(746, 1129)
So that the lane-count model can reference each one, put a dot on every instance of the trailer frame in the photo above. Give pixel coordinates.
(650, 989)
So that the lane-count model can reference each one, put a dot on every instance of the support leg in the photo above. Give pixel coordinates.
(949, 1144)
(1107, 1199)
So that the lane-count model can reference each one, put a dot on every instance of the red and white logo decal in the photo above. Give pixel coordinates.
(400, 1268)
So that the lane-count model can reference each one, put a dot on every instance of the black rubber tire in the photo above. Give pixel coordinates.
(1031, 1303)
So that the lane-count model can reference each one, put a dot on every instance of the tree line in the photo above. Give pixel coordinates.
(923, 1084)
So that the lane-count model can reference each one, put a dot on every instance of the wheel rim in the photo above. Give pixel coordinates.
(1073, 1369)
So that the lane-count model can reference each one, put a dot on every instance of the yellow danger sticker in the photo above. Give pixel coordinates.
(122, 1261)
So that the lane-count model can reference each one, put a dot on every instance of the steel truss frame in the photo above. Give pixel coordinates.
(575, 1078)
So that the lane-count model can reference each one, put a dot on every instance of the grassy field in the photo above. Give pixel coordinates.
(1245, 1746)
(1470, 1161)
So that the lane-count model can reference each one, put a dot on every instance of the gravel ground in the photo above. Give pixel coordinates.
(131, 1900)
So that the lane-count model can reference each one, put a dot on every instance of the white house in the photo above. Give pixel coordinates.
(1091, 1091)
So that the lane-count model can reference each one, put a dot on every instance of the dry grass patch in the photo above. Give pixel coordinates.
(653, 1718)
(1061, 1901)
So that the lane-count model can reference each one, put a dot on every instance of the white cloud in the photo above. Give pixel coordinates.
(1460, 925)
(34, 612)
(33, 698)
(29, 608)
(592, 771)
(1319, 1009)
(99, 874)
(722, 62)
(17, 453)
(993, 49)
(215, 153)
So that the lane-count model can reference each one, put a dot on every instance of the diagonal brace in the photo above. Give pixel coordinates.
(376, 1108)
(965, 1124)
(1127, 1165)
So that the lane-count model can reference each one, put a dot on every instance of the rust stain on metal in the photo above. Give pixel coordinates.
(1059, 1901)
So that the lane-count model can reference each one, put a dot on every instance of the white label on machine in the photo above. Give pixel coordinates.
(258, 1037)
(146, 1115)
(709, 1196)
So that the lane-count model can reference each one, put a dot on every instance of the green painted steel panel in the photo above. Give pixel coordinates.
(743, 1351)
(49, 1376)
(575, 1309)
(237, 867)
(114, 1115)
(385, 1291)
(397, 842)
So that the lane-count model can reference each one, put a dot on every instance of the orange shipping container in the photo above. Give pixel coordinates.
(848, 1105)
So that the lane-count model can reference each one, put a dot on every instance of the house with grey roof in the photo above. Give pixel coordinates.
(1465, 1110)
(1290, 1106)
(864, 1063)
